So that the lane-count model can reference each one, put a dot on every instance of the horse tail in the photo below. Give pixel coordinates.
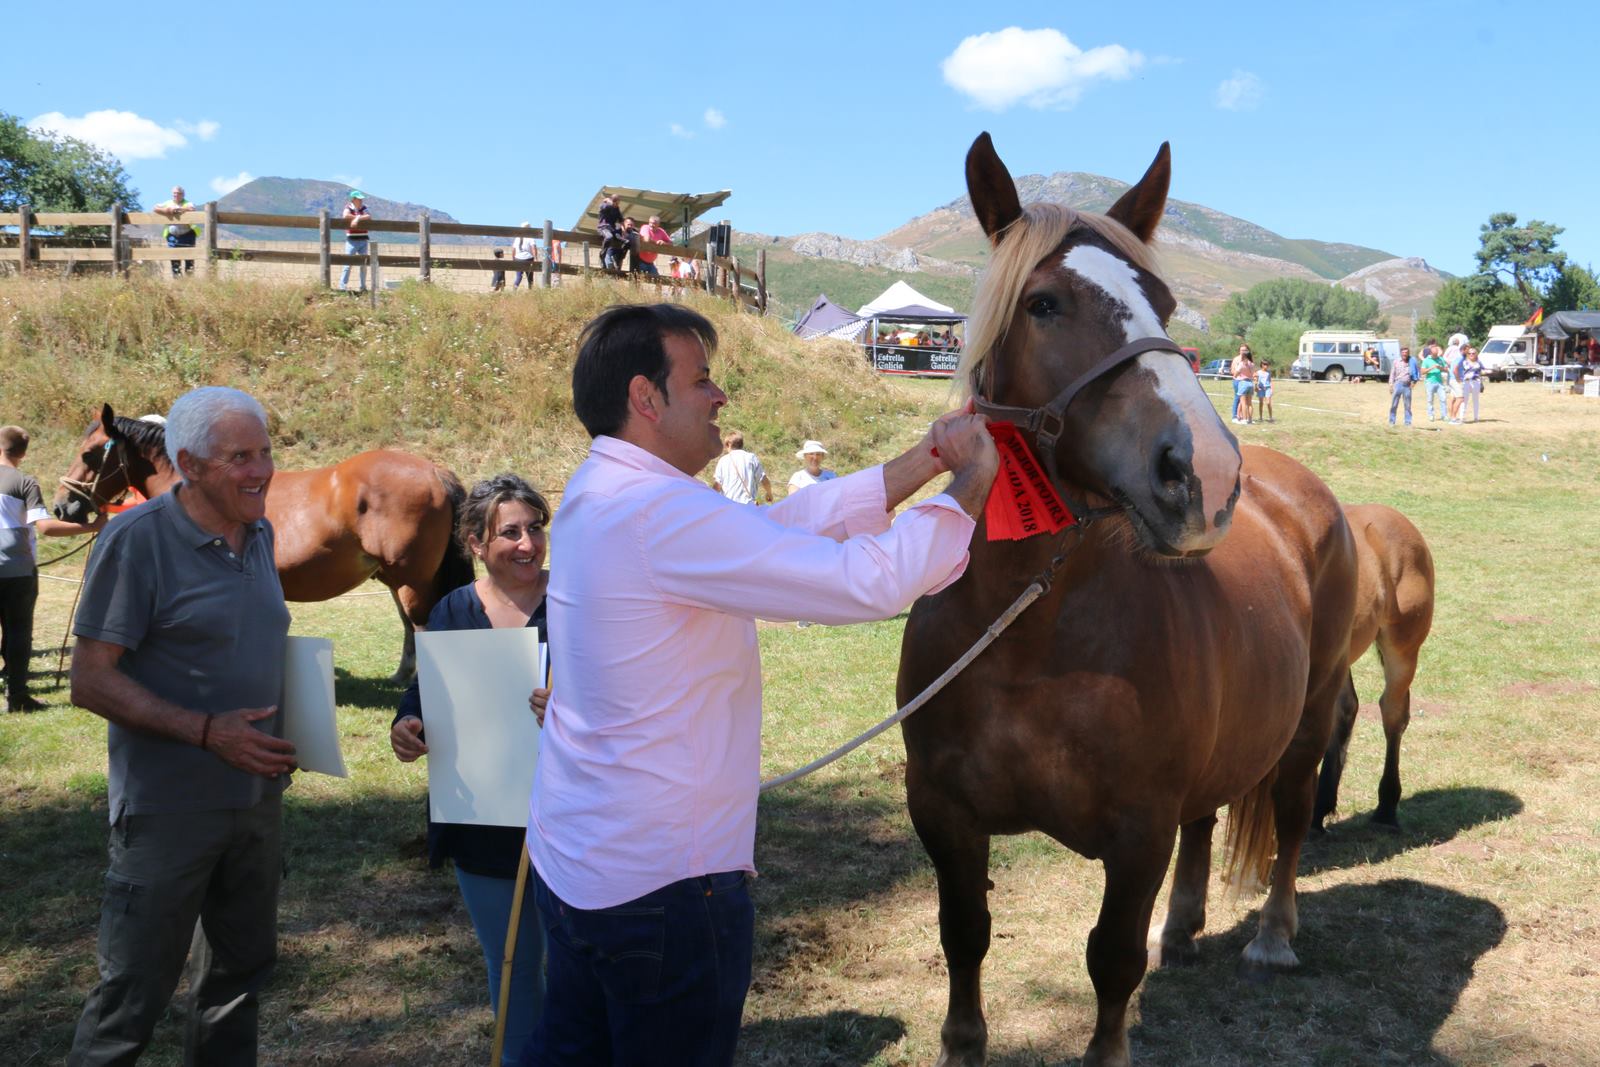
(1252, 839)
(455, 566)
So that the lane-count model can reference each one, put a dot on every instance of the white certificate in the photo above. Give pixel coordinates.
(310, 717)
(482, 737)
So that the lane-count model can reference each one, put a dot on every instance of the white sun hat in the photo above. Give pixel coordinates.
(810, 446)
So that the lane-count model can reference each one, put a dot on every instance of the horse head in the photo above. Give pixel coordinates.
(115, 455)
(1070, 323)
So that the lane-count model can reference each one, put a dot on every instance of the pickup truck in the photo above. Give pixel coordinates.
(1334, 355)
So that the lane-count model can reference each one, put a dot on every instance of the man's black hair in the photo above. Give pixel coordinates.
(624, 341)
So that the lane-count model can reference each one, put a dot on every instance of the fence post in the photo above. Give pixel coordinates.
(24, 236)
(425, 248)
(116, 239)
(711, 268)
(735, 276)
(211, 240)
(372, 255)
(324, 239)
(761, 280)
(549, 253)
(586, 261)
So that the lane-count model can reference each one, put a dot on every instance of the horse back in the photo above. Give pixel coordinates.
(1395, 585)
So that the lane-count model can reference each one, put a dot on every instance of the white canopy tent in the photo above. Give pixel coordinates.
(902, 297)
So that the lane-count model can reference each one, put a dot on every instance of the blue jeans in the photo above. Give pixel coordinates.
(182, 241)
(489, 903)
(658, 980)
(354, 248)
(1401, 390)
(1436, 389)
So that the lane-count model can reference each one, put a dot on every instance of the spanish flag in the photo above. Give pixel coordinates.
(1535, 319)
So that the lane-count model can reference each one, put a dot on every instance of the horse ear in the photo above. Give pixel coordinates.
(991, 190)
(1141, 207)
(108, 421)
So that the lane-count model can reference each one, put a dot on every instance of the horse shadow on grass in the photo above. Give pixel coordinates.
(838, 1039)
(1428, 818)
(1382, 968)
(372, 694)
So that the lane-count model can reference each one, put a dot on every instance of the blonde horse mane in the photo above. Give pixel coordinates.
(1027, 241)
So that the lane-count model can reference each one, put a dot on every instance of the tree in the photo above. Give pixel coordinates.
(1276, 339)
(1575, 289)
(1318, 304)
(1525, 255)
(1471, 305)
(50, 172)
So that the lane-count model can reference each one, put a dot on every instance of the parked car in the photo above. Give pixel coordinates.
(1194, 358)
(1510, 353)
(1334, 355)
(1217, 368)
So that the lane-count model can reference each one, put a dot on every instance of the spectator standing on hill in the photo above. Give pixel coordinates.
(502, 525)
(1434, 370)
(1471, 381)
(642, 822)
(525, 251)
(554, 253)
(613, 235)
(740, 473)
(182, 632)
(1400, 382)
(22, 516)
(1244, 374)
(355, 237)
(1452, 362)
(178, 234)
(652, 233)
(811, 454)
(1264, 391)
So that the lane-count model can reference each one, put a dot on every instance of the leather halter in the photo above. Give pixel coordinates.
(90, 490)
(1049, 422)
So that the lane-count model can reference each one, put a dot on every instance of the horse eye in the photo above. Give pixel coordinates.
(1041, 306)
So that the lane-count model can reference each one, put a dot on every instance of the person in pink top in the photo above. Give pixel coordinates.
(642, 822)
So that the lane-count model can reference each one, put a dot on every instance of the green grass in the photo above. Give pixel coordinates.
(1467, 938)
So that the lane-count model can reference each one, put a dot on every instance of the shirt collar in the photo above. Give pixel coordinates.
(193, 535)
(616, 450)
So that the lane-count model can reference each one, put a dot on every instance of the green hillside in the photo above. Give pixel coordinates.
(793, 282)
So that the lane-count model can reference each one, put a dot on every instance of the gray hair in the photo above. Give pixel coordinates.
(195, 413)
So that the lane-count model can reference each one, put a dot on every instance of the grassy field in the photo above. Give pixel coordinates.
(1467, 938)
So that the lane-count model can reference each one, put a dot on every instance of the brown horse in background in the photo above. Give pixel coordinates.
(1394, 607)
(381, 514)
(1189, 653)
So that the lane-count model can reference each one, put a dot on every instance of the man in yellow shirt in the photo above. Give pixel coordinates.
(178, 234)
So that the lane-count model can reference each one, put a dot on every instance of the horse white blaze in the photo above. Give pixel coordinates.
(1216, 459)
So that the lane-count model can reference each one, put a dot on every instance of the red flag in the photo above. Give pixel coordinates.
(1536, 318)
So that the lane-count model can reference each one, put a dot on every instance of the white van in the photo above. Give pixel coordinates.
(1511, 353)
(1334, 355)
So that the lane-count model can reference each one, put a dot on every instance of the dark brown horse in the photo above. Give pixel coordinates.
(1190, 652)
(1394, 608)
(381, 514)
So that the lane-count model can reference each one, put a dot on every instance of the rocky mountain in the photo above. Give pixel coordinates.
(307, 196)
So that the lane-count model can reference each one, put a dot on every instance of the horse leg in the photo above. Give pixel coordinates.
(1117, 956)
(1186, 907)
(960, 854)
(406, 602)
(1333, 760)
(1399, 670)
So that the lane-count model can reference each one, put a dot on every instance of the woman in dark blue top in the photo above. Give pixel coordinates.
(502, 524)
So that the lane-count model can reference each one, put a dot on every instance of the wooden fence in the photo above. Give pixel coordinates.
(719, 275)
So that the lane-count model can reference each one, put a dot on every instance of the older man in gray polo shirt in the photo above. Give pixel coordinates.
(181, 635)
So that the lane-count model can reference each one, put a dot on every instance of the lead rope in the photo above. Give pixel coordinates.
(1036, 589)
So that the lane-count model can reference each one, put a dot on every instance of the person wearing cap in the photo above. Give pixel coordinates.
(178, 234)
(355, 238)
(525, 250)
(810, 454)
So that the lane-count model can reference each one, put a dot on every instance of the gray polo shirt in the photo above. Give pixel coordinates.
(204, 629)
(20, 507)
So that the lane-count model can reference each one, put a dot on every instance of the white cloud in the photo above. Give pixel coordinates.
(224, 186)
(1242, 92)
(122, 133)
(1040, 68)
(352, 180)
(715, 119)
(678, 130)
(205, 129)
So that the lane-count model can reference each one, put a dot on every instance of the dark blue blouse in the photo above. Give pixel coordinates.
(491, 851)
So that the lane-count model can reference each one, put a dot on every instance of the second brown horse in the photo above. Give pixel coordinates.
(381, 514)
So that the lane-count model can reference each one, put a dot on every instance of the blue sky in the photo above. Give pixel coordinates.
(1401, 126)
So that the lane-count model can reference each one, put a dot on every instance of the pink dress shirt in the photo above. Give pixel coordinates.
(649, 764)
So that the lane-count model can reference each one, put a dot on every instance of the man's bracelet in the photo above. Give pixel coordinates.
(205, 731)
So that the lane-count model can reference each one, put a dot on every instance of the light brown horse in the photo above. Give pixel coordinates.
(1394, 607)
(1189, 653)
(381, 514)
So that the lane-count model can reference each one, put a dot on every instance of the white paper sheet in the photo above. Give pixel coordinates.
(482, 737)
(310, 718)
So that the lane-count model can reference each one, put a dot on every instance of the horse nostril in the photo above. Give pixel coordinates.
(1172, 475)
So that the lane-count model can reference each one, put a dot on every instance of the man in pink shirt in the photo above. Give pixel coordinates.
(653, 233)
(642, 822)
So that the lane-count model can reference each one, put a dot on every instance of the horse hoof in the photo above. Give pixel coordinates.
(1269, 954)
(1185, 954)
(1317, 831)
(1386, 819)
(948, 1058)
